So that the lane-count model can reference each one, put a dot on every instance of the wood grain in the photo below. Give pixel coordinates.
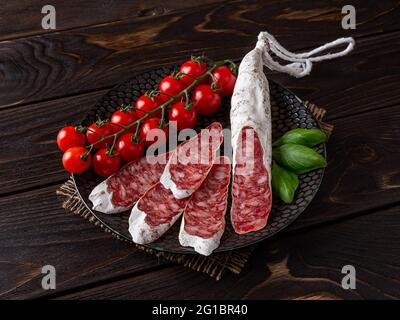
(75, 13)
(306, 265)
(37, 231)
(29, 153)
(76, 61)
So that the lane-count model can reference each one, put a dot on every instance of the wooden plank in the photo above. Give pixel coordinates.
(306, 265)
(71, 62)
(75, 13)
(29, 153)
(36, 231)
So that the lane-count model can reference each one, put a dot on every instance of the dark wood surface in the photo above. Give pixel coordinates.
(49, 78)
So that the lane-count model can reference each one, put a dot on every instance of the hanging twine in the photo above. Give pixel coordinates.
(301, 63)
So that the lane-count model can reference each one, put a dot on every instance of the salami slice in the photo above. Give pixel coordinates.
(203, 221)
(191, 161)
(120, 191)
(251, 143)
(154, 213)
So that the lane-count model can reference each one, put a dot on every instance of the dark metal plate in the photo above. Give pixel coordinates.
(288, 112)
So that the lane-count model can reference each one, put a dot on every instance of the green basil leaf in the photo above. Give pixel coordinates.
(297, 158)
(305, 137)
(284, 183)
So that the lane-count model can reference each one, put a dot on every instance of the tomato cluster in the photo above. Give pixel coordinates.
(106, 144)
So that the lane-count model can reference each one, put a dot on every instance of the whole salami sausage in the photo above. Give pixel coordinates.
(251, 143)
(203, 220)
(190, 163)
(154, 213)
(251, 125)
(120, 191)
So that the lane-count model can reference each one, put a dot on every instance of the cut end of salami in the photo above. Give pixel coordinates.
(191, 161)
(102, 200)
(154, 213)
(204, 246)
(251, 186)
(203, 222)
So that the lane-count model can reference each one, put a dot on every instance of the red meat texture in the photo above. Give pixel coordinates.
(132, 181)
(160, 205)
(194, 158)
(205, 212)
(251, 192)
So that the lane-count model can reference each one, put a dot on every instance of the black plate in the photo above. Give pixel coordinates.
(288, 112)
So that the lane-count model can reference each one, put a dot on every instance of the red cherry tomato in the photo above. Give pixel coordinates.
(128, 149)
(150, 136)
(123, 118)
(74, 160)
(160, 99)
(145, 103)
(205, 100)
(97, 131)
(105, 164)
(171, 86)
(69, 137)
(225, 80)
(185, 119)
(192, 69)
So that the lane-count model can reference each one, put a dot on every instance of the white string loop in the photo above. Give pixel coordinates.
(301, 62)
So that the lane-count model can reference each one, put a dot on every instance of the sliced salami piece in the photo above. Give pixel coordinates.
(251, 143)
(190, 163)
(203, 220)
(154, 213)
(120, 191)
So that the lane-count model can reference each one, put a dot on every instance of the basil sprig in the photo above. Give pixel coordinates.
(297, 158)
(284, 183)
(293, 156)
(305, 137)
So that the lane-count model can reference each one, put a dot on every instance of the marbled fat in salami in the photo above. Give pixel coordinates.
(251, 192)
(191, 161)
(203, 220)
(154, 213)
(120, 191)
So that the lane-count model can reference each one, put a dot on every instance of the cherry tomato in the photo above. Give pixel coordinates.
(205, 100)
(225, 80)
(145, 103)
(69, 137)
(97, 131)
(105, 164)
(123, 117)
(171, 86)
(185, 119)
(74, 161)
(128, 149)
(192, 69)
(150, 137)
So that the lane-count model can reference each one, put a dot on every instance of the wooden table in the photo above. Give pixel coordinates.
(52, 77)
